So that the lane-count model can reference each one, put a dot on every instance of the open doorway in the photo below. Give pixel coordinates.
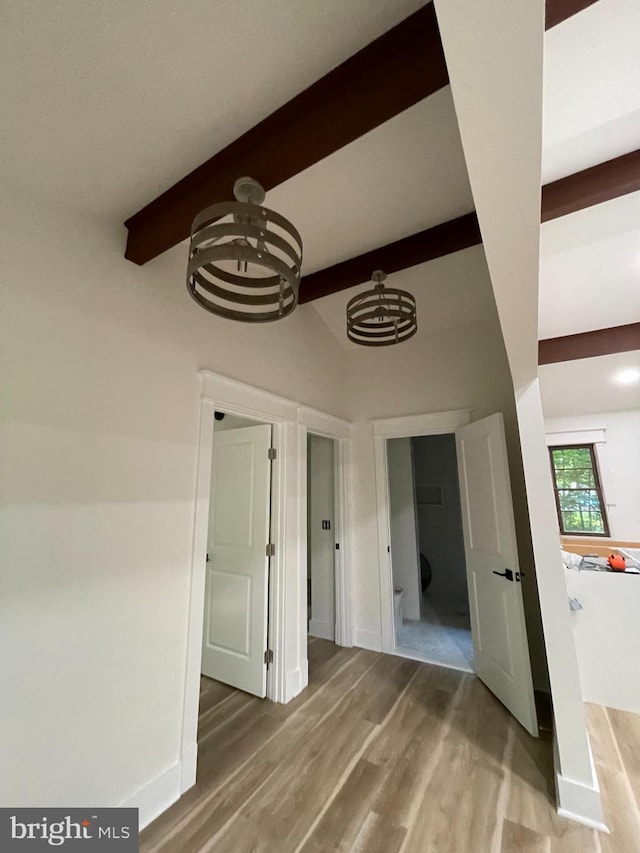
(431, 601)
(498, 630)
(236, 605)
(321, 537)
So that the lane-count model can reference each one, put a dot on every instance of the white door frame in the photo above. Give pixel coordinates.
(433, 423)
(288, 675)
(328, 426)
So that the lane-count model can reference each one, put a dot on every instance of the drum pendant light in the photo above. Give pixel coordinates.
(244, 259)
(381, 316)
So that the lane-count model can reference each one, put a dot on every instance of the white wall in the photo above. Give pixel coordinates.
(607, 633)
(404, 535)
(440, 525)
(321, 543)
(101, 407)
(618, 462)
(494, 51)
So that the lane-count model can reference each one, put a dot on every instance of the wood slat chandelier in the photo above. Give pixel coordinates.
(381, 316)
(244, 259)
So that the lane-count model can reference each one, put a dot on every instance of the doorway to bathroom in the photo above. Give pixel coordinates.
(499, 637)
(430, 596)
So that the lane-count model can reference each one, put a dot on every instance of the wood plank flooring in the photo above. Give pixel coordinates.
(386, 755)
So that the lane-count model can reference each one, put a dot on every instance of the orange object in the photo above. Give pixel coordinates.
(616, 562)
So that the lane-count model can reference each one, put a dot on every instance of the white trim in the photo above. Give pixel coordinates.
(329, 426)
(295, 681)
(344, 557)
(367, 640)
(576, 436)
(577, 801)
(156, 796)
(288, 674)
(384, 545)
(188, 767)
(431, 423)
(245, 400)
(221, 393)
(283, 531)
(323, 424)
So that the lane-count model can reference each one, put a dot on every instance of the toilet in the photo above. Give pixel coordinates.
(398, 595)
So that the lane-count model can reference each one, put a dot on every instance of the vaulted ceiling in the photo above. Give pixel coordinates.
(120, 108)
(590, 259)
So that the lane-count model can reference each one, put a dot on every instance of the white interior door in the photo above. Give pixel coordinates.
(321, 536)
(501, 650)
(236, 598)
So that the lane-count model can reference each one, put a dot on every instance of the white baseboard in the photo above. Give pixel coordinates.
(293, 684)
(189, 767)
(321, 629)
(367, 640)
(585, 821)
(578, 801)
(156, 796)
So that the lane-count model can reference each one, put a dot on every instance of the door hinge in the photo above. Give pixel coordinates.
(271, 550)
(271, 453)
(268, 656)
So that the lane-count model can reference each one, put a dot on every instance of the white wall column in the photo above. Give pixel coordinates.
(577, 784)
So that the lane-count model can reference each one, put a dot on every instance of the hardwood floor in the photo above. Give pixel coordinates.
(390, 755)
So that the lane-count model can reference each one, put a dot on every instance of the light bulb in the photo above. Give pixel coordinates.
(628, 376)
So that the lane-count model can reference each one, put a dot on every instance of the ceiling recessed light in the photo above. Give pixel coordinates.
(628, 376)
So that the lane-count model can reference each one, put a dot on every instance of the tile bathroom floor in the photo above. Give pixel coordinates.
(442, 636)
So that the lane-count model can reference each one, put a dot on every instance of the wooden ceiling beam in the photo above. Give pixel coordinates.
(596, 185)
(557, 11)
(397, 70)
(591, 186)
(394, 72)
(433, 243)
(589, 344)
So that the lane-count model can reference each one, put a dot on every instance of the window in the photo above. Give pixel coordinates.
(578, 491)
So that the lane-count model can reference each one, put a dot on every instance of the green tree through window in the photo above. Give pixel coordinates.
(578, 491)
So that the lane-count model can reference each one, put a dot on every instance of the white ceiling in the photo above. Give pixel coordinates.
(591, 88)
(590, 269)
(451, 293)
(111, 103)
(590, 260)
(106, 104)
(406, 175)
(118, 106)
(589, 385)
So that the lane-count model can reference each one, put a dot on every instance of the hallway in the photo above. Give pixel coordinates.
(385, 754)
